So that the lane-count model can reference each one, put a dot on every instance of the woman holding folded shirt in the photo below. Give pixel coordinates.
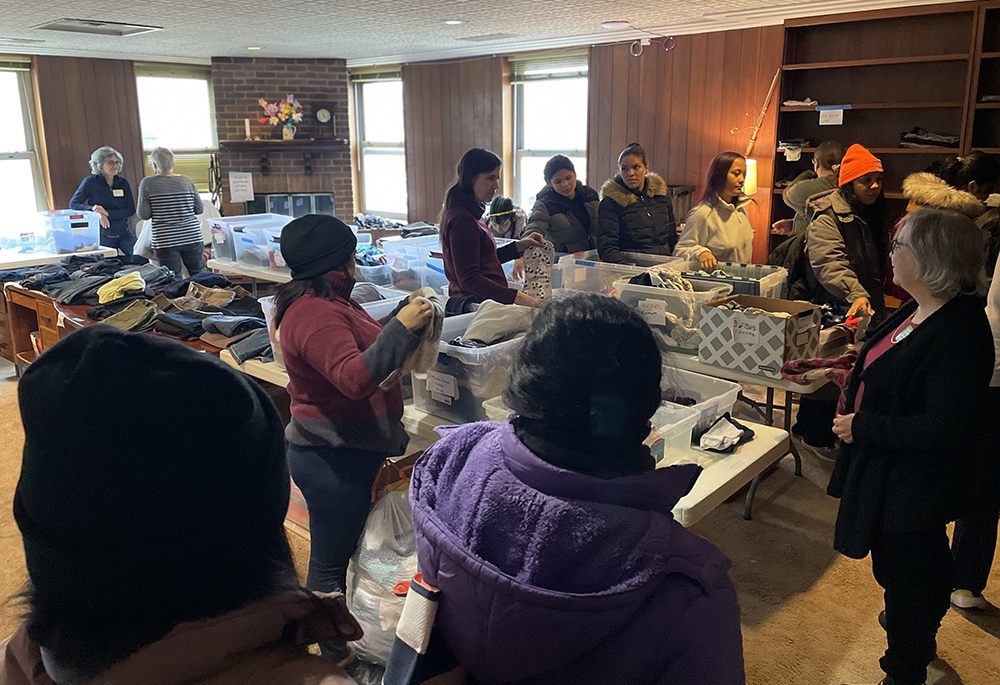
(472, 261)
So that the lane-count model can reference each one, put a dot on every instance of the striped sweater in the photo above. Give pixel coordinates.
(172, 202)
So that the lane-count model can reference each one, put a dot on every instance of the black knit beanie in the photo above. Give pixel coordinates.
(315, 244)
(152, 476)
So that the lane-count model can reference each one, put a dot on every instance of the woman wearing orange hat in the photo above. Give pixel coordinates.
(846, 249)
(845, 241)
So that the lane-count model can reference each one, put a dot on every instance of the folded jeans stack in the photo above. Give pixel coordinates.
(206, 278)
(255, 346)
(138, 316)
(152, 274)
(74, 262)
(47, 275)
(184, 325)
(921, 137)
(129, 284)
(231, 325)
(105, 267)
(76, 290)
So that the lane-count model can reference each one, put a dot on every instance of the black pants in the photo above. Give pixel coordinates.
(814, 422)
(915, 570)
(975, 539)
(337, 486)
(192, 256)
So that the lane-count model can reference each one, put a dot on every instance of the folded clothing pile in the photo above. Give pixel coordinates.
(206, 278)
(494, 323)
(734, 306)
(921, 137)
(129, 284)
(374, 222)
(369, 255)
(659, 277)
(140, 315)
(152, 274)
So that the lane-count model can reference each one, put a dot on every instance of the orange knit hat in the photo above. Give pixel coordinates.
(856, 163)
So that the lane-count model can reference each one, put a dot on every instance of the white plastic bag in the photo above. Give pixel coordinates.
(386, 555)
(144, 241)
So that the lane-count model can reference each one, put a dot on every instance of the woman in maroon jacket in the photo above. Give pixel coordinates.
(471, 257)
(344, 423)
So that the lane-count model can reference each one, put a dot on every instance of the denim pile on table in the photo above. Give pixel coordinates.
(374, 222)
(369, 255)
(162, 303)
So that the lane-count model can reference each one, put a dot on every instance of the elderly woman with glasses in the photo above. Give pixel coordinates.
(110, 195)
(915, 403)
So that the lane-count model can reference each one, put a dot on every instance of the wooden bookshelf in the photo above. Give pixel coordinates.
(880, 62)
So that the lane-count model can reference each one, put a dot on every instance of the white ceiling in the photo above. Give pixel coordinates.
(378, 33)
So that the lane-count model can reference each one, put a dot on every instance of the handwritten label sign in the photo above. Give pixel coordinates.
(831, 117)
(441, 384)
(746, 330)
(654, 312)
(240, 186)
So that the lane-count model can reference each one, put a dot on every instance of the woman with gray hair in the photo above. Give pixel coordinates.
(916, 402)
(172, 203)
(110, 195)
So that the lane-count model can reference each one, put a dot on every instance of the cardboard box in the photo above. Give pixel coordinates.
(758, 343)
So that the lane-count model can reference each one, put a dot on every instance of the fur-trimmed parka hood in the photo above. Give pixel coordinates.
(616, 189)
(928, 190)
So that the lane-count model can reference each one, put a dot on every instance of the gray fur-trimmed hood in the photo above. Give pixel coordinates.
(928, 190)
(613, 188)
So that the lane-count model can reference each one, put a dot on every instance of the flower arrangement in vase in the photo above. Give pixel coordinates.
(288, 113)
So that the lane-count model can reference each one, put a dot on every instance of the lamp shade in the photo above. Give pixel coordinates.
(750, 184)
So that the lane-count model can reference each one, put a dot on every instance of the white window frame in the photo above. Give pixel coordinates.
(183, 155)
(520, 152)
(373, 147)
(30, 136)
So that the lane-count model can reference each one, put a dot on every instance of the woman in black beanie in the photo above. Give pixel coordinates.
(346, 419)
(135, 539)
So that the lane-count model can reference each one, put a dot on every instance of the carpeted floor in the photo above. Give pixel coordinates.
(809, 615)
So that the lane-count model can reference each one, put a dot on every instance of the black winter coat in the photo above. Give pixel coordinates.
(630, 222)
(914, 433)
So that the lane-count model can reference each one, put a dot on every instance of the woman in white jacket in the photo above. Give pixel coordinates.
(718, 228)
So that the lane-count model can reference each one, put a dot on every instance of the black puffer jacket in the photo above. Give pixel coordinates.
(924, 402)
(635, 222)
(571, 225)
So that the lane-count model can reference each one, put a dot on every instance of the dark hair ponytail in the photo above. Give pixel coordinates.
(959, 172)
(634, 149)
(474, 162)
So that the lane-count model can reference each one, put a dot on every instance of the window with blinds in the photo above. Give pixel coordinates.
(378, 109)
(177, 111)
(20, 168)
(550, 117)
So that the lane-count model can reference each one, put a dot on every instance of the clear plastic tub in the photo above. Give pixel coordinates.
(593, 276)
(228, 232)
(455, 388)
(669, 441)
(383, 308)
(407, 258)
(714, 396)
(379, 275)
(635, 259)
(674, 313)
(748, 279)
(67, 230)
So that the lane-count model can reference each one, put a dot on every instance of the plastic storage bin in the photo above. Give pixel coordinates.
(636, 259)
(669, 440)
(462, 378)
(674, 313)
(382, 308)
(593, 276)
(714, 396)
(67, 230)
(407, 257)
(254, 240)
(749, 279)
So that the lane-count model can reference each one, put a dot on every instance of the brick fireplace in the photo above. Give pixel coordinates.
(239, 82)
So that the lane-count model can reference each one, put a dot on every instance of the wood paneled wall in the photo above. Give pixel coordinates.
(682, 106)
(82, 105)
(449, 108)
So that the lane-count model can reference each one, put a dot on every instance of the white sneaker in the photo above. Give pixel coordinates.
(964, 599)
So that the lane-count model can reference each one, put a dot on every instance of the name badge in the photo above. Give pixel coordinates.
(118, 192)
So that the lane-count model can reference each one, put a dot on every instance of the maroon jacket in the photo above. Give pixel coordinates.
(336, 355)
(471, 258)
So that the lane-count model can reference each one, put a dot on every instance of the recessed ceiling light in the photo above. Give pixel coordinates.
(453, 22)
(616, 25)
(254, 48)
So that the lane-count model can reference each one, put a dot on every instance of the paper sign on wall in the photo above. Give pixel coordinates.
(441, 384)
(654, 312)
(240, 186)
(746, 330)
(831, 117)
